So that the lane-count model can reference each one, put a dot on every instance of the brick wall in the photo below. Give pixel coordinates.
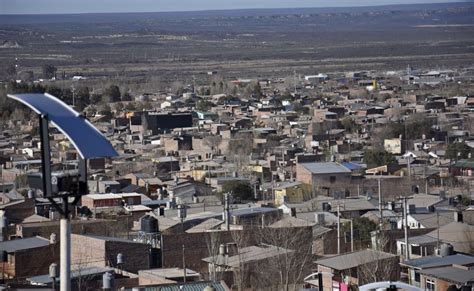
(36, 261)
(136, 255)
(88, 251)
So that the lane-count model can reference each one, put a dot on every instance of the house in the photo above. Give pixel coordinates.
(359, 268)
(463, 168)
(325, 178)
(159, 122)
(255, 216)
(102, 251)
(93, 201)
(393, 146)
(250, 260)
(441, 272)
(28, 256)
(428, 220)
(292, 192)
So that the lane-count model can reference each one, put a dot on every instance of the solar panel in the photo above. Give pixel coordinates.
(88, 140)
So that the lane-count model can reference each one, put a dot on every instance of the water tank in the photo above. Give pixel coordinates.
(446, 250)
(107, 281)
(222, 250)
(119, 258)
(320, 218)
(149, 224)
(3, 222)
(31, 194)
(53, 270)
(52, 238)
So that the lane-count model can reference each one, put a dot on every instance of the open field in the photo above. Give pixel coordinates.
(242, 43)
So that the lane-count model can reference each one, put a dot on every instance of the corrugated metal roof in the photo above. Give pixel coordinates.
(420, 240)
(23, 244)
(194, 286)
(352, 260)
(451, 274)
(436, 261)
(45, 279)
(248, 254)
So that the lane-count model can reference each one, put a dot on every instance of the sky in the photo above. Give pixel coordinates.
(97, 6)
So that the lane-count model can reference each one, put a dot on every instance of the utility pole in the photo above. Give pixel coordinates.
(338, 230)
(405, 227)
(380, 208)
(437, 230)
(226, 211)
(184, 266)
(352, 235)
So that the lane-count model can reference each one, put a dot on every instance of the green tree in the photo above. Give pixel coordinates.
(254, 90)
(458, 150)
(364, 225)
(126, 97)
(348, 124)
(414, 127)
(95, 98)
(48, 71)
(130, 106)
(82, 97)
(26, 75)
(111, 94)
(204, 105)
(11, 71)
(240, 190)
(375, 158)
(304, 110)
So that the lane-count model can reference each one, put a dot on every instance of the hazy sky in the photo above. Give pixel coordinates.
(85, 6)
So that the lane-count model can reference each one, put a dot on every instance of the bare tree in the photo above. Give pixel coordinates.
(83, 260)
(213, 141)
(377, 266)
(239, 151)
(240, 240)
(213, 242)
(293, 259)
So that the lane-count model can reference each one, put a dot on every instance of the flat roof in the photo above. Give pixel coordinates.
(352, 260)
(23, 244)
(325, 168)
(452, 274)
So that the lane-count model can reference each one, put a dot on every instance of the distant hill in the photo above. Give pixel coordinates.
(131, 17)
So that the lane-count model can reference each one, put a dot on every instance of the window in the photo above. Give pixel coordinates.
(430, 285)
(417, 277)
(416, 250)
(332, 179)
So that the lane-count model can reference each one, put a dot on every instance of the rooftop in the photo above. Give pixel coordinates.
(352, 260)
(437, 261)
(326, 168)
(11, 246)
